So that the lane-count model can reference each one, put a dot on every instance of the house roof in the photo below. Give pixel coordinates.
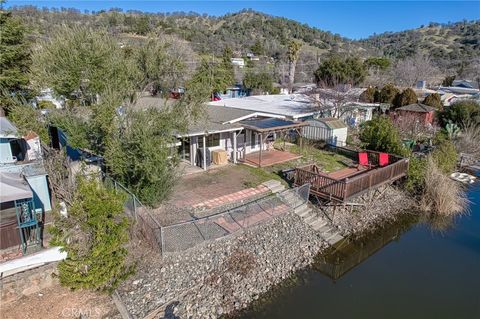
(7, 129)
(332, 123)
(417, 107)
(271, 124)
(13, 186)
(292, 106)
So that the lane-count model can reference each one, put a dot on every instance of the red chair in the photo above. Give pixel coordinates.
(363, 159)
(383, 159)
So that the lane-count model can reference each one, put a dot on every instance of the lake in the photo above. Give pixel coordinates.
(412, 269)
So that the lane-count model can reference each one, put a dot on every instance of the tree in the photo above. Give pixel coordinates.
(407, 97)
(333, 99)
(448, 81)
(259, 81)
(381, 135)
(211, 77)
(343, 71)
(293, 53)
(409, 71)
(14, 56)
(140, 155)
(461, 113)
(26, 118)
(80, 64)
(93, 235)
(258, 48)
(388, 93)
(378, 63)
(434, 100)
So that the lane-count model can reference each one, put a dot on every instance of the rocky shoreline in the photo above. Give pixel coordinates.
(226, 275)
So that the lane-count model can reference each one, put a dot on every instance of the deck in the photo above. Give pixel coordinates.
(269, 158)
(350, 182)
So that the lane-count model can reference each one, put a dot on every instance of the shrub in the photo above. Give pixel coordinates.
(408, 96)
(416, 175)
(388, 93)
(381, 135)
(441, 195)
(461, 112)
(434, 100)
(445, 156)
(368, 96)
(94, 236)
(468, 140)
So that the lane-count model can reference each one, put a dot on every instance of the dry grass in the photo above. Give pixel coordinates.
(442, 195)
(468, 141)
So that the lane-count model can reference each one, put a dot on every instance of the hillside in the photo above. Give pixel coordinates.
(451, 46)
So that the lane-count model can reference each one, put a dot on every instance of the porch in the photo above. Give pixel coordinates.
(269, 158)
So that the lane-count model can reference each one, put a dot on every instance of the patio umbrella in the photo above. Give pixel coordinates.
(13, 187)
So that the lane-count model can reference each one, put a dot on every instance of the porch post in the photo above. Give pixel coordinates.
(234, 135)
(260, 153)
(204, 153)
(193, 150)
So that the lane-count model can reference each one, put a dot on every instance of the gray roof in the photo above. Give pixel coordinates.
(332, 122)
(7, 129)
(417, 107)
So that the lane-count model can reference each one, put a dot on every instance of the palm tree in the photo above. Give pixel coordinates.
(292, 55)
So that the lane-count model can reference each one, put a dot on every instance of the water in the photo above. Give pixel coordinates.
(420, 272)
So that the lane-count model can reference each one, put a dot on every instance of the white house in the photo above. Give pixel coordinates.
(240, 62)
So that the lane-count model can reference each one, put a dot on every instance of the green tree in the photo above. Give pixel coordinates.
(434, 100)
(26, 118)
(261, 81)
(407, 97)
(388, 93)
(14, 56)
(380, 63)
(94, 236)
(381, 135)
(336, 70)
(140, 155)
(258, 48)
(211, 77)
(461, 113)
(448, 81)
(80, 63)
(293, 52)
(445, 156)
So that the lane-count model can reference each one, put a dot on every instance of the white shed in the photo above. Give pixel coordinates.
(331, 130)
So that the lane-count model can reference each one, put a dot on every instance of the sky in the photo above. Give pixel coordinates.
(351, 19)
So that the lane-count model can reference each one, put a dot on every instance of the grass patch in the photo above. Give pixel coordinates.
(259, 175)
(328, 161)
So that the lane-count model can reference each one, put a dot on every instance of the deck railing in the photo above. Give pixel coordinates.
(345, 188)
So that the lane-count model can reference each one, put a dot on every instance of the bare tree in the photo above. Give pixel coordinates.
(337, 99)
(418, 67)
(61, 182)
(410, 127)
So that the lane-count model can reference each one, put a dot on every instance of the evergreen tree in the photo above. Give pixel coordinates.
(336, 70)
(14, 56)
(388, 93)
(257, 48)
(368, 96)
(94, 236)
(434, 100)
(407, 97)
(381, 135)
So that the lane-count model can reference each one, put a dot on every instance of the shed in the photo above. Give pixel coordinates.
(331, 130)
(417, 112)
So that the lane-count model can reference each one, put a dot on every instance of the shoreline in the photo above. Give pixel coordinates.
(224, 276)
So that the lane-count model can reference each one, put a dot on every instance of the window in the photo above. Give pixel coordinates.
(212, 140)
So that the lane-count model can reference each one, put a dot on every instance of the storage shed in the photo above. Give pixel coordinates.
(331, 130)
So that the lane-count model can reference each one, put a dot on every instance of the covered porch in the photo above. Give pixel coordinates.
(262, 134)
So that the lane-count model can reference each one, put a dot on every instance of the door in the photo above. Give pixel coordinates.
(254, 141)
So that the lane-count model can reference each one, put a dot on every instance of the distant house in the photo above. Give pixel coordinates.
(24, 192)
(417, 112)
(331, 130)
(240, 62)
(465, 84)
(461, 87)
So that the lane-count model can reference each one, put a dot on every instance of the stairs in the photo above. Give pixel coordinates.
(274, 186)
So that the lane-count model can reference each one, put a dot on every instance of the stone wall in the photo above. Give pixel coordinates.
(27, 282)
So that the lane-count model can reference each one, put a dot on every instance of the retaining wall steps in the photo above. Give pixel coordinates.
(319, 224)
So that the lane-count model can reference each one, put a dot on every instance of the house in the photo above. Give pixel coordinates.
(331, 130)
(24, 192)
(240, 62)
(461, 87)
(417, 112)
(465, 84)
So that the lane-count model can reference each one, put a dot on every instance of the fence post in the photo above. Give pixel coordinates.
(161, 241)
(135, 207)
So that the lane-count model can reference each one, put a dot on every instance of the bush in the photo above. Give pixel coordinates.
(368, 96)
(434, 100)
(461, 113)
(407, 97)
(381, 135)
(445, 157)
(416, 175)
(388, 93)
(337, 70)
(94, 236)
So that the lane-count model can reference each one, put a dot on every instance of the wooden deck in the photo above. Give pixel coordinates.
(347, 183)
(269, 158)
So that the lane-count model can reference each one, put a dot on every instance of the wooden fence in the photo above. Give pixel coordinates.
(342, 189)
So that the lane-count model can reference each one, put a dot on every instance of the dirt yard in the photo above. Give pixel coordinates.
(59, 302)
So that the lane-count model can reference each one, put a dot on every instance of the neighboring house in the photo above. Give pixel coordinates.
(240, 62)
(233, 92)
(24, 192)
(416, 112)
(331, 130)
(465, 84)
(461, 87)
(298, 107)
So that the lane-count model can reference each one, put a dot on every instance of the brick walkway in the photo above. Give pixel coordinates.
(231, 198)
